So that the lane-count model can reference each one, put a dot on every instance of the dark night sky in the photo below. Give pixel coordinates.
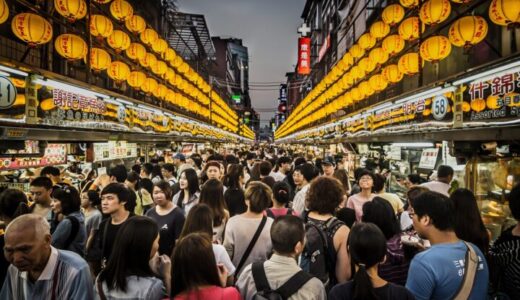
(267, 27)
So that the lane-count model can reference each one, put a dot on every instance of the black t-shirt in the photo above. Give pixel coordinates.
(4, 264)
(108, 239)
(170, 227)
(390, 291)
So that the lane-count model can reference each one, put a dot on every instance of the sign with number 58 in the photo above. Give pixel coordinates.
(440, 107)
(7, 93)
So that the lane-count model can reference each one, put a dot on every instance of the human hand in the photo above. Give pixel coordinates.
(222, 274)
(161, 265)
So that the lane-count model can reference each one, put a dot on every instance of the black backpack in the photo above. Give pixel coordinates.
(264, 291)
(319, 256)
(73, 231)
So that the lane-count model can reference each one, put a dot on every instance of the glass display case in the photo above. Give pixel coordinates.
(491, 179)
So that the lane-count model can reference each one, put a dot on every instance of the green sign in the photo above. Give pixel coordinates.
(236, 98)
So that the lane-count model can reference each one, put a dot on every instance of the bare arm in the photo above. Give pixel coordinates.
(343, 271)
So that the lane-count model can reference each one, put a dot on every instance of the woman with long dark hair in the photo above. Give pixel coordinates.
(234, 195)
(189, 194)
(128, 274)
(212, 194)
(168, 216)
(395, 267)
(70, 234)
(468, 222)
(367, 247)
(193, 277)
(200, 219)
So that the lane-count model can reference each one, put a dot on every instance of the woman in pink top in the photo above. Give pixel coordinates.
(194, 273)
(281, 194)
(356, 201)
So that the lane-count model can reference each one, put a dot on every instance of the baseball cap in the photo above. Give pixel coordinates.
(329, 160)
(180, 156)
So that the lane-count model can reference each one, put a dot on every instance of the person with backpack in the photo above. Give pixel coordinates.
(281, 193)
(367, 248)
(70, 233)
(247, 236)
(280, 277)
(325, 254)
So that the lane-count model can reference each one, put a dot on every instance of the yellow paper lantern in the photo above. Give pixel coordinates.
(409, 3)
(409, 63)
(136, 79)
(356, 51)
(504, 12)
(170, 76)
(102, 1)
(366, 65)
(149, 85)
(393, 14)
(119, 41)
(348, 59)
(409, 29)
(183, 68)
(435, 48)
(392, 73)
(32, 29)
(159, 68)
(468, 31)
(433, 12)
(101, 26)
(366, 88)
(70, 46)
(356, 94)
(136, 24)
(99, 59)
(160, 91)
(136, 51)
(478, 104)
(378, 82)
(159, 46)
(357, 72)
(121, 10)
(169, 54)
(366, 41)
(393, 44)
(378, 56)
(71, 9)
(149, 60)
(118, 71)
(379, 29)
(4, 11)
(149, 36)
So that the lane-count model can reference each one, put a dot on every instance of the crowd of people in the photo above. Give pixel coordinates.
(251, 224)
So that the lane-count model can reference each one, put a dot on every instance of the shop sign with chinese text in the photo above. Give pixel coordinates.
(304, 55)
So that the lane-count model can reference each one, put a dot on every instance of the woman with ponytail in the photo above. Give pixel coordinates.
(281, 197)
(367, 247)
(13, 203)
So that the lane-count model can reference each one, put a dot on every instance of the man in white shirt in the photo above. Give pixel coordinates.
(284, 167)
(287, 236)
(303, 175)
(442, 184)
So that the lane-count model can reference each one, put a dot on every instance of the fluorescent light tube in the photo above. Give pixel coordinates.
(13, 71)
(483, 75)
(413, 145)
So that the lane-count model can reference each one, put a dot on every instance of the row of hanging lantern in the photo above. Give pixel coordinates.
(163, 61)
(345, 84)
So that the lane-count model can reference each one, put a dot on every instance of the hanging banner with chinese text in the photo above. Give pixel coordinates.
(304, 56)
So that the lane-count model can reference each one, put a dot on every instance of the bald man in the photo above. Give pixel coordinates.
(38, 270)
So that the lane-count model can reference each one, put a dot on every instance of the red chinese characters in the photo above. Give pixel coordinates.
(304, 56)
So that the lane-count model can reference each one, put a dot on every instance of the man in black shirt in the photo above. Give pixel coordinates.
(115, 199)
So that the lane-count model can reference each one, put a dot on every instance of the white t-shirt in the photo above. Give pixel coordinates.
(278, 176)
(437, 186)
(222, 257)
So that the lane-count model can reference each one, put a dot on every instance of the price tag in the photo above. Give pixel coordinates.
(7, 93)
(439, 107)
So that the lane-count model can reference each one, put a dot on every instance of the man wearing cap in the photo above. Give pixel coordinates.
(328, 164)
(178, 160)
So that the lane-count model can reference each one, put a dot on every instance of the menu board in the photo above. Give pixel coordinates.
(114, 150)
(55, 154)
(429, 158)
